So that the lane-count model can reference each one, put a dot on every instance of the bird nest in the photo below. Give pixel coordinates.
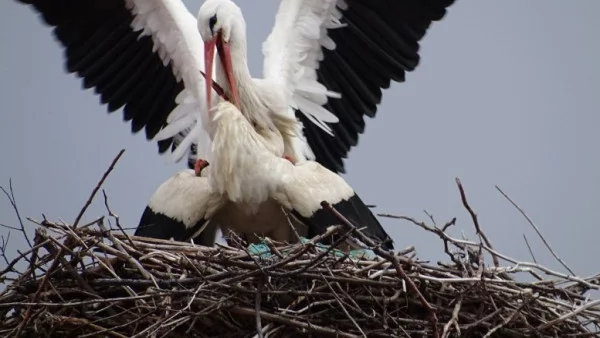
(92, 281)
(96, 280)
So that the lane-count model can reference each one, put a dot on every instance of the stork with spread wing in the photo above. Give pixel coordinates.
(326, 63)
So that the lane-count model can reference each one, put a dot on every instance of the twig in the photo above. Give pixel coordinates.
(529, 248)
(505, 322)
(519, 265)
(98, 186)
(55, 263)
(570, 314)
(453, 320)
(130, 260)
(537, 230)
(259, 328)
(295, 323)
(13, 203)
(339, 301)
(430, 217)
(116, 217)
(3, 245)
(463, 197)
(37, 294)
(440, 232)
(9, 227)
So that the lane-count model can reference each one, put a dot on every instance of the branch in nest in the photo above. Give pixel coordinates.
(119, 285)
(167, 288)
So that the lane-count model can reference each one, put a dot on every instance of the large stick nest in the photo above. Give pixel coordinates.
(91, 280)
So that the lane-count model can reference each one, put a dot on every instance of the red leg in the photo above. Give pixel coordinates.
(199, 165)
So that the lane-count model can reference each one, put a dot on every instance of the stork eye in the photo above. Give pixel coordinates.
(212, 22)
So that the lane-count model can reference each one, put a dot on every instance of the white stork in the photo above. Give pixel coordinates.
(265, 194)
(251, 176)
(146, 56)
(187, 207)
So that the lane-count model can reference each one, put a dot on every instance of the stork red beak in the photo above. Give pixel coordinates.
(225, 57)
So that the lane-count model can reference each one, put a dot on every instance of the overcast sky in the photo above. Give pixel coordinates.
(507, 93)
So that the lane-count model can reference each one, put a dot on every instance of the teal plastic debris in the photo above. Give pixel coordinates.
(263, 251)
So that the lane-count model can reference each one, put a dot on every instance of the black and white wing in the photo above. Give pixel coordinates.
(182, 209)
(144, 56)
(309, 183)
(334, 57)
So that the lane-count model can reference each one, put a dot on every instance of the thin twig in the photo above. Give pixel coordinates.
(339, 301)
(537, 230)
(529, 248)
(505, 322)
(9, 227)
(463, 197)
(570, 314)
(116, 217)
(453, 320)
(13, 203)
(259, 328)
(98, 186)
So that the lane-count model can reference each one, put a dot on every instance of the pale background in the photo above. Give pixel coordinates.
(507, 93)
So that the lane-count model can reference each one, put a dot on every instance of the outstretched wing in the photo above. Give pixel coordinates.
(143, 55)
(354, 48)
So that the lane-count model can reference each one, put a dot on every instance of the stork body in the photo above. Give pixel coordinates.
(186, 207)
(253, 192)
(255, 179)
(325, 61)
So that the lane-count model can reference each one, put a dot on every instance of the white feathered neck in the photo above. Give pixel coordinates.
(243, 163)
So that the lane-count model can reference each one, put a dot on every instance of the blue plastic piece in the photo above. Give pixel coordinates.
(262, 250)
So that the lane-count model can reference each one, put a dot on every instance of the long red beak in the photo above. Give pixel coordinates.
(225, 57)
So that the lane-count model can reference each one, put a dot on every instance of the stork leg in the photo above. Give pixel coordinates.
(199, 166)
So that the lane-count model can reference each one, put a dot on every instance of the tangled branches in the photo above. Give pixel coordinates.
(93, 280)
(109, 283)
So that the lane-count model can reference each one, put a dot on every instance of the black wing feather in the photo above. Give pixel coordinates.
(379, 44)
(158, 225)
(101, 48)
(355, 211)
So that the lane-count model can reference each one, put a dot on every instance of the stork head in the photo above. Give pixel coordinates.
(216, 21)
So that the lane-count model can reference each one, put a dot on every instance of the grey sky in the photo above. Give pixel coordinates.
(506, 93)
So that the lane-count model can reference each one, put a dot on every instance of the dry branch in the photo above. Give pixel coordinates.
(91, 280)
(125, 286)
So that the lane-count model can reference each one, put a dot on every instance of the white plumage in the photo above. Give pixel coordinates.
(190, 198)
(176, 40)
(287, 84)
(265, 195)
(182, 209)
